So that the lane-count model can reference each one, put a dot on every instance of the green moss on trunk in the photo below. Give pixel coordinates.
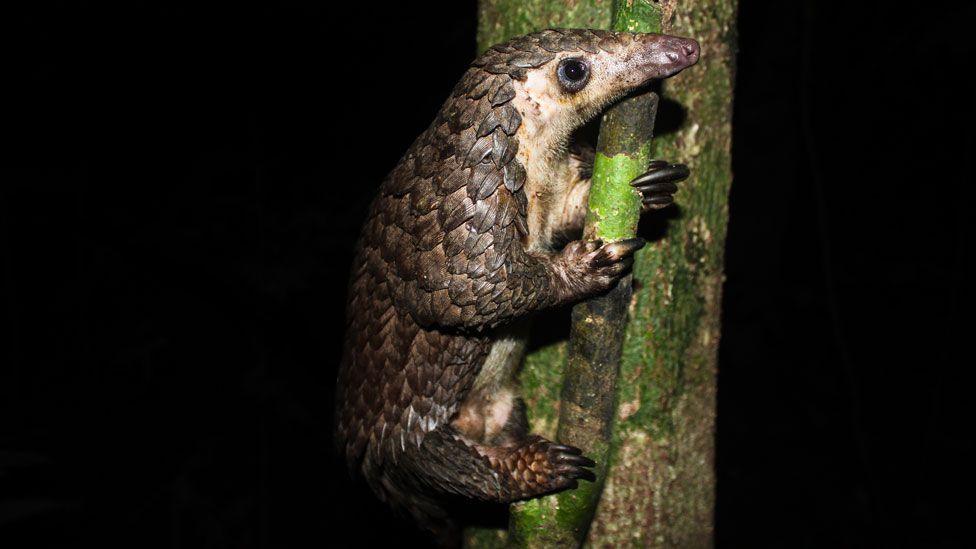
(499, 20)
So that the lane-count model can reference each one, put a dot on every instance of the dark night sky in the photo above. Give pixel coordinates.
(179, 218)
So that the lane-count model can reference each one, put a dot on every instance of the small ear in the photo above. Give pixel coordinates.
(583, 152)
(582, 147)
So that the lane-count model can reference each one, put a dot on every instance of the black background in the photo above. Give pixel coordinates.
(179, 216)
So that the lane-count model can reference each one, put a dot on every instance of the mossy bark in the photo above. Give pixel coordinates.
(660, 487)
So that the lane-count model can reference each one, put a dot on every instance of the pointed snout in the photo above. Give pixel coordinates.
(683, 50)
(661, 56)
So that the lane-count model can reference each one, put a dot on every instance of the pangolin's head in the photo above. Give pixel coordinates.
(558, 79)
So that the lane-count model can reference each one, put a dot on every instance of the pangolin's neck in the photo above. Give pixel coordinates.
(546, 187)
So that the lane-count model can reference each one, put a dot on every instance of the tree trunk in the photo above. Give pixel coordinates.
(660, 488)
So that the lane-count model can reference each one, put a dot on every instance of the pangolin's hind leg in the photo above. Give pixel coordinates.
(450, 472)
(450, 463)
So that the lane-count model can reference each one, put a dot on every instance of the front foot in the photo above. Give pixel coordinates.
(590, 267)
(658, 184)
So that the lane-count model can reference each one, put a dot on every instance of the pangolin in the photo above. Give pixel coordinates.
(464, 238)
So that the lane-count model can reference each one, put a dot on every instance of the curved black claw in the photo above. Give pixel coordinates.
(570, 463)
(657, 184)
(617, 252)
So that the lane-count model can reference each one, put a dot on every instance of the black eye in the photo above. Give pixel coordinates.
(573, 74)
